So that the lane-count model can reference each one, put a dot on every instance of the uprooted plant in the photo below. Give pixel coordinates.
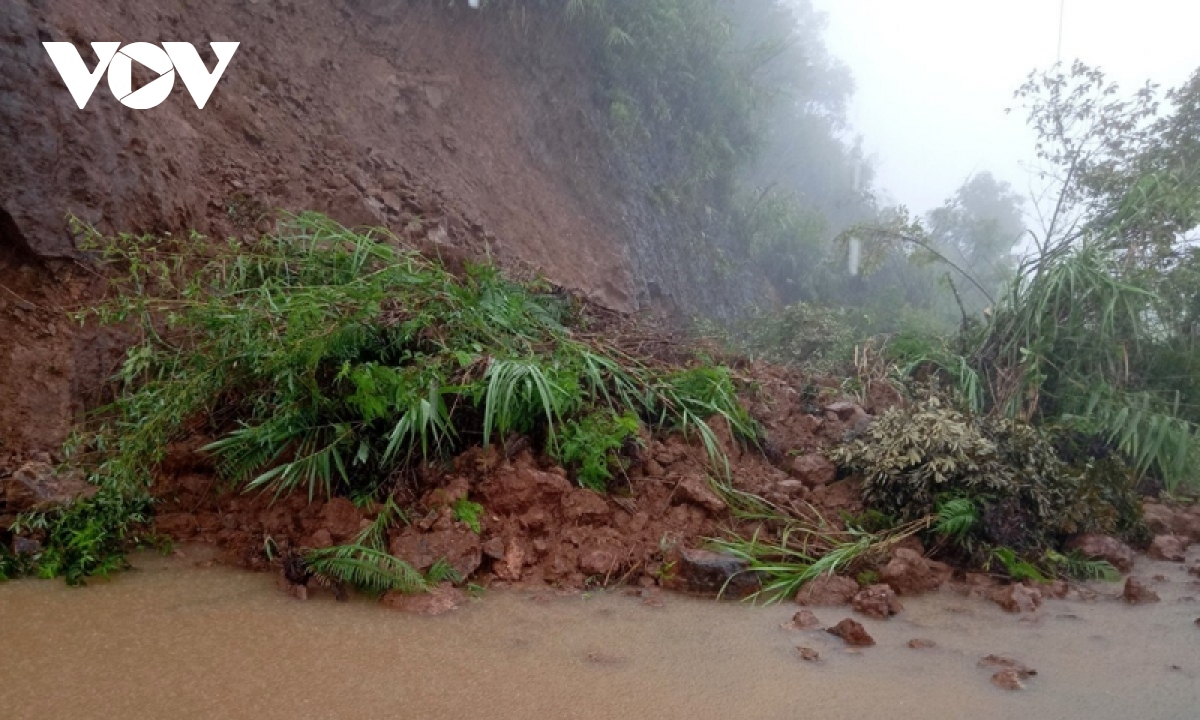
(327, 361)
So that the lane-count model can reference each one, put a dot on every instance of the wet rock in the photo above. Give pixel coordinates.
(25, 547)
(809, 654)
(598, 561)
(813, 469)
(36, 485)
(322, 538)
(585, 506)
(459, 547)
(438, 601)
(844, 410)
(516, 490)
(827, 591)
(877, 601)
(852, 633)
(1001, 661)
(696, 490)
(512, 563)
(920, 644)
(1159, 518)
(1171, 548)
(341, 519)
(804, 620)
(908, 573)
(710, 573)
(1009, 679)
(1017, 598)
(1137, 593)
(1105, 547)
(1057, 589)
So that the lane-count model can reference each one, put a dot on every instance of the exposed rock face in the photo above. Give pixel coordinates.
(709, 573)
(1104, 547)
(459, 547)
(36, 485)
(1137, 593)
(1172, 548)
(908, 573)
(877, 601)
(1017, 598)
(813, 469)
(827, 591)
(696, 490)
(853, 633)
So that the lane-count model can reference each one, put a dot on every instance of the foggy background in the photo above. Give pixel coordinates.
(933, 77)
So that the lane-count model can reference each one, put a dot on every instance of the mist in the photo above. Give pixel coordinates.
(933, 78)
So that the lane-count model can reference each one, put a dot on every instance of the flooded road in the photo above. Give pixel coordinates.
(171, 640)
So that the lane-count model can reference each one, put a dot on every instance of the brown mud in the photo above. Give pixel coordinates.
(181, 638)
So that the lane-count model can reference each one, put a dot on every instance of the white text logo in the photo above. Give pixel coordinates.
(165, 60)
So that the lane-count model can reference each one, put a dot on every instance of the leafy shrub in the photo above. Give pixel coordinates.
(591, 445)
(987, 483)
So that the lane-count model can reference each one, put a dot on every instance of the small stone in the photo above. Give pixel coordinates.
(919, 644)
(853, 633)
(827, 591)
(877, 601)
(808, 654)
(804, 620)
(1008, 680)
(710, 573)
(1171, 548)
(1017, 598)
(1104, 547)
(1136, 593)
(696, 491)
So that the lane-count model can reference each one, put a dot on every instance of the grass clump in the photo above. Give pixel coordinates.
(328, 361)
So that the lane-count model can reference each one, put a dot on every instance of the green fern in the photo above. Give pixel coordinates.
(368, 569)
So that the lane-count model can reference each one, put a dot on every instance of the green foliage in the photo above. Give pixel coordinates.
(84, 538)
(1074, 565)
(591, 446)
(955, 518)
(325, 360)
(800, 551)
(469, 513)
(368, 569)
(985, 482)
(1017, 568)
(812, 338)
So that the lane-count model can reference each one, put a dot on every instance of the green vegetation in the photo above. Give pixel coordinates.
(326, 361)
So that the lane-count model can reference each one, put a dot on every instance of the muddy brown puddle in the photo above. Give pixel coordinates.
(172, 640)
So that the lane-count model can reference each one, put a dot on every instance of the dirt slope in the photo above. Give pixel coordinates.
(482, 124)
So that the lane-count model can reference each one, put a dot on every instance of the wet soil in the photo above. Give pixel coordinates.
(182, 638)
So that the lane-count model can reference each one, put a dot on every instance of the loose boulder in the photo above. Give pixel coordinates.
(908, 573)
(1017, 598)
(710, 573)
(1171, 548)
(1137, 593)
(1105, 547)
(852, 633)
(877, 601)
(827, 591)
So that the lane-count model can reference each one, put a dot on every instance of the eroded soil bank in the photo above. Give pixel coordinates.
(182, 638)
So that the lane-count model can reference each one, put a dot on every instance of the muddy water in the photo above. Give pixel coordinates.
(171, 640)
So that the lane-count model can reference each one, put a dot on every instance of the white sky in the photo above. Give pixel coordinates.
(933, 77)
